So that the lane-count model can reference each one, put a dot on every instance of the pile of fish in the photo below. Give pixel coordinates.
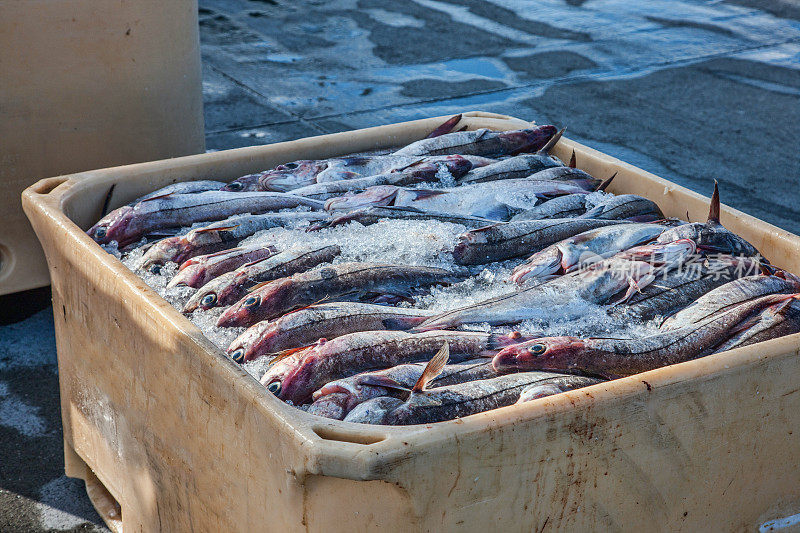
(464, 272)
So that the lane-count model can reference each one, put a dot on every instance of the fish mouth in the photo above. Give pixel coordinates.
(333, 406)
(231, 318)
(505, 361)
(178, 280)
(332, 388)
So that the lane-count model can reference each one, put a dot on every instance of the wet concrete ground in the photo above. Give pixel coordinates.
(692, 91)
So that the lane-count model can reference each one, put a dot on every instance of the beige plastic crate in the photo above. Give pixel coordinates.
(184, 439)
(86, 84)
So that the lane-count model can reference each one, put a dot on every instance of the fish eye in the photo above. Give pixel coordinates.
(252, 301)
(100, 232)
(238, 355)
(155, 269)
(235, 186)
(274, 387)
(537, 349)
(208, 300)
(290, 166)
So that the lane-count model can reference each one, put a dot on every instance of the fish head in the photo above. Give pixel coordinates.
(190, 276)
(333, 405)
(458, 165)
(298, 385)
(528, 140)
(541, 264)
(244, 184)
(510, 339)
(262, 303)
(275, 374)
(379, 195)
(115, 227)
(249, 346)
(545, 353)
(291, 176)
(165, 250)
(374, 411)
(216, 293)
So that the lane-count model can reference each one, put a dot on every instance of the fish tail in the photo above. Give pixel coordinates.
(604, 185)
(552, 142)
(714, 208)
(446, 127)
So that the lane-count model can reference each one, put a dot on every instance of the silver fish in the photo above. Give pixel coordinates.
(201, 269)
(626, 206)
(598, 284)
(520, 166)
(345, 281)
(676, 289)
(778, 320)
(518, 239)
(337, 398)
(555, 386)
(182, 187)
(584, 248)
(730, 295)
(128, 224)
(613, 358)
(232, 286)
(220, 235)
(334, 169)
(372, 215)
(712, 237)
(567, 206)
(482, 142)
(447, 403)
(497, 200)
(326, 361)
(329, 320)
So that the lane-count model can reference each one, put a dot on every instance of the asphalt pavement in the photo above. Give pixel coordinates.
(692, 91)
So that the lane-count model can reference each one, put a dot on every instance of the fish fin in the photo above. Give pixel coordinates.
(433, 368)
(713, 210)
(223, 252)
(251, 263)
(446, 127)
(386, 298)
(223, 228)
(400, 169)
(283, 354)
(107, 201)
(395, 324)
(572, 161)
(382, 381)
(594, 212)
(258, 286)
(421, 194)
(159, 197)
(465, 128)
(308, 306)
(552, 142)
(634, 286)
(486, 228)
(604, 185)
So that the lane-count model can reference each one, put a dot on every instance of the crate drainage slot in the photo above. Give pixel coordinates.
(106, 505)
(328, 433)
